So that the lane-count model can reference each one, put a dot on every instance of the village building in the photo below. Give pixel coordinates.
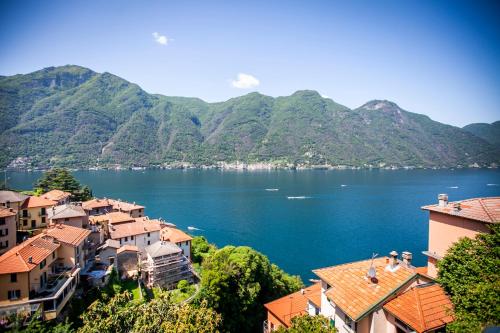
(69, 214)
(450, 221)
(58, 196)
(11, 199)
(141, 232)
(132, 209)
(97, 206)
(40, 274)
(178, 237)
(163, 265)
(125, 258)
(7, 229)
(74, 244)
(34, 213)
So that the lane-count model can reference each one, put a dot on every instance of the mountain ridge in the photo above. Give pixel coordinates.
(75, 117)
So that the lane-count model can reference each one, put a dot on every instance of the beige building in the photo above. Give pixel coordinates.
(450, 221)
(34, 213)
(58, 196)
(97, 206)
(7, 229)
(68, 214)
(132, 209)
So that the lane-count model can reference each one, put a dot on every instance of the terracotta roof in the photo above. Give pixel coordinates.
(96, 203)
(138, 227)
(12, 196)
(6, 212)
(66, 211)
(32, 202)
(124, 206)
(56, 195)
(67, 234)
(290, 306)
(485, 210)
(112, 218)
(421, 270)
(354, 293)
(111, 243)
(128, 247)
(424, 308)
(174, 235)
(17, 259)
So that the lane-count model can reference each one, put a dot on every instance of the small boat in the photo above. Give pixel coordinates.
(194, 228)
(298, 198)
(272, 189)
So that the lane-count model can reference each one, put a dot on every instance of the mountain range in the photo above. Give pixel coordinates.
(72, 116)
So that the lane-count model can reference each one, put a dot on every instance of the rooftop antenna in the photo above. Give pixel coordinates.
(372, 273)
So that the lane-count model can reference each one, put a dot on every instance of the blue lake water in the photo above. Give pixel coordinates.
(376, 211)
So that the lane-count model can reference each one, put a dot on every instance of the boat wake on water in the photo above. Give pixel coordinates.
(194, 229)
(272, 189)
(298, 198)
(491, 184)
(452, 186)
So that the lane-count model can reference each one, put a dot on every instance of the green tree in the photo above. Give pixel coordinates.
(62, 179)
(469, 272)
(310, 324)
(237, 281)
(201, 248)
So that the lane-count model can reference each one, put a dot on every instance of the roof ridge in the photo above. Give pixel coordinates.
(486, 210)
(419, 308)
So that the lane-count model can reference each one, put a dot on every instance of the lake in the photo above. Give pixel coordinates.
(336, 216)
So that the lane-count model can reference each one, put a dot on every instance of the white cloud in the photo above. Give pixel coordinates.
(245, 81)
(325, 96)
(161, 39)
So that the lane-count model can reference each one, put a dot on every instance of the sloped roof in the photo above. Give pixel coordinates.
(6, 212)
(56, 195)
(354, 293)
(17, 259)
(124, 206)
(139, 226)
(424, 308)
(485, 210)
(162, 248)
(174, 235)
(112, 218)
(96, 203)
(111, 243)
(127, 247)
(66, 211)
(12, 196)
(67, 234)
(290, 306)
(33, 202)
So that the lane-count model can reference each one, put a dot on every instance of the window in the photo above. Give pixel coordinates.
(53, 255)
(187, 242)
(8, 204)
(2, 220)
(14, 294)
(43, 219)
(348, 321)
(43, 211)
(149, 234)
(13, 277)
(6, 232)
(43, 263)
(25, 222)
(131, 237)
(6, 243)
(149, 242)
(126, 239)
(25, 213)
(66, 219)
(33, 223)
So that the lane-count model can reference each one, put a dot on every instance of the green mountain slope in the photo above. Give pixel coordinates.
(488, 132)
(72, 116)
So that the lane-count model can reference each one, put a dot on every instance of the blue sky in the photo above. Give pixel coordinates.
(440, 58)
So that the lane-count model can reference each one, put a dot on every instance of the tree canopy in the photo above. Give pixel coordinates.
(62, 179)
(469, 272)
(237, 281)
(310, 324)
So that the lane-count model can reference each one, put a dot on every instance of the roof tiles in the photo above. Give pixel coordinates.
(485, 210)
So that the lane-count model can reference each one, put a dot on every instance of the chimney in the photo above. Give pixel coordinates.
(30, 260)
(457, 207)
(407, 256)
(443, 200)
(302, 291)
(394, 258)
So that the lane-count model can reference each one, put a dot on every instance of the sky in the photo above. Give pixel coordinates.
(439, 58)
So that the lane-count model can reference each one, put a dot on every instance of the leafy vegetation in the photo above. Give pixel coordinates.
(310, 324)
(237, 281)
(469, 273)
(488, 132)
(201, 249)
(73, 117)
(62, 179)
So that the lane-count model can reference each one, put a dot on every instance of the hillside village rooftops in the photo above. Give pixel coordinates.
(56, 195)
(162, 248)
(424, 307)
(127, 248)
(110, 243)
(34, 202)
(354, 293)
(112, 218)
(174, 235)
(138, 227)
(290, 306)
(27, 255)
(124, 206)
(485, 210)
(96, 203)
(66, 211)
(6, 212)
(67, 234)
(11, 196)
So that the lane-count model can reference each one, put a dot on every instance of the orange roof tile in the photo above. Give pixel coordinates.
(138, 227)
(17, 259)
(479, 209)
(6, 212)
(424, 308)
(56, 195)
(67, 234)
(96, 203)
(113, 217)
(127, 247)
(290, 306)
(174, 235)
(124, 206)
(33, 202)
(354, 293)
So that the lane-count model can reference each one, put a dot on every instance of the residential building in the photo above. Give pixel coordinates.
(141, 232)
(73, 241)
(107, 252)
(7, 229)
(32, 280)
(73, 215)
(97, 206)
(34, 213)
(164, 265)
(450, 221)
(178, 237)
(58, 196)
(132, 209)
(128, 261)
(281, 311)
(11, 199)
